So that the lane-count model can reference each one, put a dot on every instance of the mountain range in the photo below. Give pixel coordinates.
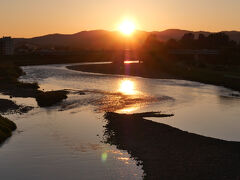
(101, 39)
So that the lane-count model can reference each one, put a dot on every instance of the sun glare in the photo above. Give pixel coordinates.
(127, 27)
(127, 87)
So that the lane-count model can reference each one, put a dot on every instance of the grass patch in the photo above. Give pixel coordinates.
(9, 84)
(49, 98)
(6, 128)
(9, 72)
(208, 76)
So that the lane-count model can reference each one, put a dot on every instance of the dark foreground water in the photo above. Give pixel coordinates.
(65, 141)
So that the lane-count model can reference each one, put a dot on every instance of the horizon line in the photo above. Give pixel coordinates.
(57, 33)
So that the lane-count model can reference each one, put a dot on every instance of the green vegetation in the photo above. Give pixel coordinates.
(6, 128)
(9, 84)
(206, 75)
(49, 98)
(69, 57)
(9, 72)
(214, 50)
(217, 62)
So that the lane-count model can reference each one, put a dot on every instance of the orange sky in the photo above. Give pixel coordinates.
(28, 18)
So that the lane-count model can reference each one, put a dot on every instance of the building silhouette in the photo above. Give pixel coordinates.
(6, 46)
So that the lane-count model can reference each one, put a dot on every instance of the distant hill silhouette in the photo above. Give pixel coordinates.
(101, 39)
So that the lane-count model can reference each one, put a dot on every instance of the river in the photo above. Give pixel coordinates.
(66, 141)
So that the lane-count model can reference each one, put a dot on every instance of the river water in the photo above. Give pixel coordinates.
(66, 141)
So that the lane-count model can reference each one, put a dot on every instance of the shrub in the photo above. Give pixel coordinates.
(6, 128)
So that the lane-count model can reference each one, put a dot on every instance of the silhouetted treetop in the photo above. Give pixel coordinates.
(228, 51)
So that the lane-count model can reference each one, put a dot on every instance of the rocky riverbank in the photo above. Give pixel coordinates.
(170, 153)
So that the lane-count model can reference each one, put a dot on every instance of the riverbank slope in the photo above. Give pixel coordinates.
(203, 75)
(6, 128)
(170, 153)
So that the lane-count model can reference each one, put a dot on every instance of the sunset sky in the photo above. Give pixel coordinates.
(28, 18)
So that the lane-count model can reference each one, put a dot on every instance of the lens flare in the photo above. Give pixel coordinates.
(104, 157)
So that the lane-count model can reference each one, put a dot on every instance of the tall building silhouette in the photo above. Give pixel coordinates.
(6, 46)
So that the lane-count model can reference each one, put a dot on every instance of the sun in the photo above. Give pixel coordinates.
(127, 27)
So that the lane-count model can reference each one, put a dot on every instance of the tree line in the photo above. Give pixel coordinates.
(154, 51)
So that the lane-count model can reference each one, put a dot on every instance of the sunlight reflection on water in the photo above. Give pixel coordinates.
(130, 109)
(127, 87)
(188, 100)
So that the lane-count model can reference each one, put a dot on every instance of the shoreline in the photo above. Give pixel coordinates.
(197, 75)
(166, 152)
(11, 86)
(6, 128)
(135, 70)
